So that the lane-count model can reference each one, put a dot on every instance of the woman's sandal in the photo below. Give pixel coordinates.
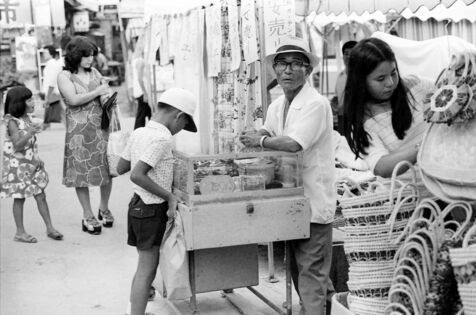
(25, 238)
(57, 236)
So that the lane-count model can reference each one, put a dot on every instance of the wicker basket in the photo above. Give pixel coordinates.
(463, 261)
(366, 306)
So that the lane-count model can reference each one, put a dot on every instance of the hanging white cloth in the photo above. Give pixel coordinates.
(234, 35)
(248, 31)
(214, 41)
(424, 58)
(189, 74)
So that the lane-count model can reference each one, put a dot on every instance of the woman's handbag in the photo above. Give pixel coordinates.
(117, 142)
(453, 100)
(54, 113)
(107, 108)
(446, 156)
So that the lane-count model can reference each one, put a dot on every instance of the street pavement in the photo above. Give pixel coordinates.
(91, 274)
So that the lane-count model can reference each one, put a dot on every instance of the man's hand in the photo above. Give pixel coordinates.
(250, 139)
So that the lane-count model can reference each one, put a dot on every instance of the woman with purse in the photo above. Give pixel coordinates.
(24, 174)
(85, 159)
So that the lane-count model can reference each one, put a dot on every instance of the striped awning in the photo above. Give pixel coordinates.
(360, 6)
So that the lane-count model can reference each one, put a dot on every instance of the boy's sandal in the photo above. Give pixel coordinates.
(57, 236)
(26, 238)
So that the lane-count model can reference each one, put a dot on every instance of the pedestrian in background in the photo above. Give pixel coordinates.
(24, 174)
(138, 88)
(85, 160)
(53, 66)
(340, 84)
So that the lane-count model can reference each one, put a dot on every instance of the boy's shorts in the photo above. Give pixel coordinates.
(146, 223)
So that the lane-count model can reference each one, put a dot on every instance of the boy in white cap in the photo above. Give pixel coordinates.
(149, 155)
(301, 119)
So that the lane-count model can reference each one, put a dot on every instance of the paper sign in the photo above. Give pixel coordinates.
(214, 39)
(248, 31)
(234, 35)
(278, 22)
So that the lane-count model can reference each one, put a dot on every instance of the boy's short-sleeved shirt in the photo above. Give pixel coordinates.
(152, 145)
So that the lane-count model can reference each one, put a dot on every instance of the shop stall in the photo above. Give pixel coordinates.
(234, 201)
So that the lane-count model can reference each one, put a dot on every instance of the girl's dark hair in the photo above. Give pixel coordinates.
(15, 102)
(77, 48)
(364, 58)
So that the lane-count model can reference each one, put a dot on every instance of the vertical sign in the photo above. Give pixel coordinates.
(42, 13)
(234, 35)
(214, 39)
(248, 31)
(278, 22)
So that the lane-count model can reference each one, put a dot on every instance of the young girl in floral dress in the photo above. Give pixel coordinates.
(24, 174)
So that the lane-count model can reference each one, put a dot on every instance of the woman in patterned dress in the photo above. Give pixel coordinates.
(85, 162)
(24, 174)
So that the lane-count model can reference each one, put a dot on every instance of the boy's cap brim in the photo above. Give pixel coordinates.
(184, 101)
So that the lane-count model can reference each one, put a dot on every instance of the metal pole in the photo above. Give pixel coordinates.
(262, 57)
(289, 300)
(271, 277)
(264, 299)
(191, 266)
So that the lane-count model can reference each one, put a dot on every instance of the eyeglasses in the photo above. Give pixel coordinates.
(295, 65)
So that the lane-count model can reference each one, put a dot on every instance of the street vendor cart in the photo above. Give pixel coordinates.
(233, 202)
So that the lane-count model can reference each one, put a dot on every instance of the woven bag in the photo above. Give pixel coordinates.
(442, 296)
(453, 99)
(446, 156)
(379, 194)
(463, 261)
(366, 306)
(447, 153)
(415, 260)
(446, 191)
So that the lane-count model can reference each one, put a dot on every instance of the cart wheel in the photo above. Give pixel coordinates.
(227, 291)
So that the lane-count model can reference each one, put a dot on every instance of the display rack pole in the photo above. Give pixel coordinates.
(264, 107)
(262, 57)
(193, 298)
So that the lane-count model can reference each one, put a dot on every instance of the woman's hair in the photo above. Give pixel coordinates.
(364, 58)
(15, 102)
(77, 48)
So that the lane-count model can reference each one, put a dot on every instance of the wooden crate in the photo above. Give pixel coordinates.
(225, 268)
(222, 224)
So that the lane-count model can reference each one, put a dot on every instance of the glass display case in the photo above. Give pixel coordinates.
(205, 178)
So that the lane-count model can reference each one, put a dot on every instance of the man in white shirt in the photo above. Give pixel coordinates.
(301, 119)
(50, 86)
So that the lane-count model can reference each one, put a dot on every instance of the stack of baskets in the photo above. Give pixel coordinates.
(375, 217)
(423, 282)
(463, 261)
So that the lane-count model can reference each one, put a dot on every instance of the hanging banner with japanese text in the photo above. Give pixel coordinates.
(213, 29)
(278, 22)
(248, 31)
(234, 35)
